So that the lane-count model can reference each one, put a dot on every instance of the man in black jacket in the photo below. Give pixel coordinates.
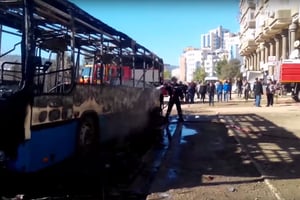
(175, 92)
(258, 91)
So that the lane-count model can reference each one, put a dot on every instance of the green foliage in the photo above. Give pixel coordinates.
(229, 70)
(167, 74)
(199, 74)
(219, 66)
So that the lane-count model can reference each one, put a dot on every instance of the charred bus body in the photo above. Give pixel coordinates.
(46, 115)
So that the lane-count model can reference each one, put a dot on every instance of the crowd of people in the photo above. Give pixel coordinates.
(216, 91)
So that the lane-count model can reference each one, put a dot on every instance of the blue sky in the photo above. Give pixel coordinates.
(165, 27)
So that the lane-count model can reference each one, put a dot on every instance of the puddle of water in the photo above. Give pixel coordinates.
(186, 132)
(169, 131)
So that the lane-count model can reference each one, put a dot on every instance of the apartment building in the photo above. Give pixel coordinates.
(214, 39)
(268, 30)
(215, 45)
(192, 59)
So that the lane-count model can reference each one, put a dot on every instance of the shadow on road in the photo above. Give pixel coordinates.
(201, 151)
(276, 149)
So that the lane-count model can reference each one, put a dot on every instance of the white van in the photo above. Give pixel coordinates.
(211, 78)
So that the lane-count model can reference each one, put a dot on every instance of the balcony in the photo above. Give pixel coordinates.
(251, 4)
(248, 46)
(281, 20)
(259, 37)
(268, 31)
(251, 24)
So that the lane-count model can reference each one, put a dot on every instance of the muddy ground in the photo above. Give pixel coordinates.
(259, 158)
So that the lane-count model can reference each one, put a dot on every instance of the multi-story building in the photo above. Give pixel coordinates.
(214, 39)
(210, 64)
(217, 44)
(193, 59)
(268, 30)
(232, 43)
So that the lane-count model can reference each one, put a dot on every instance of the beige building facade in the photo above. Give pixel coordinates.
(268, 29)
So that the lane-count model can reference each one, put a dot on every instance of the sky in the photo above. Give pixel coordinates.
(165, 27)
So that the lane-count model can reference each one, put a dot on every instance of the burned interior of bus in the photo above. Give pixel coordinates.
(45, 43)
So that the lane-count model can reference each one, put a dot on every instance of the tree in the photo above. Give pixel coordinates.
(199, 74)
(167, 74)
(219, 67)
(230, 70)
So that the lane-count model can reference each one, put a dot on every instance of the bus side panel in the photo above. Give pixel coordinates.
(121, 110)
(46, 147)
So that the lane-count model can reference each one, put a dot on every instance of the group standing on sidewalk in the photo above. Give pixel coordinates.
(178, 92)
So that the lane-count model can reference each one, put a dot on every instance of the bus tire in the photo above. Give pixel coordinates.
(87, 136)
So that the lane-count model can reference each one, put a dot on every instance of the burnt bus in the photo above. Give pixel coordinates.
(46, 115)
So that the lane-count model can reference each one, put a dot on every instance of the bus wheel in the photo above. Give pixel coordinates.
(87, 139)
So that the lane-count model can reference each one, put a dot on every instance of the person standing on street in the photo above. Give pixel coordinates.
(270, 91)
(211, 89)
(202, 91)
(247, 89)
(258, 91)
(230, 88)
(226, 91)
(239, 86)
(220, 91)
(175, 92)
